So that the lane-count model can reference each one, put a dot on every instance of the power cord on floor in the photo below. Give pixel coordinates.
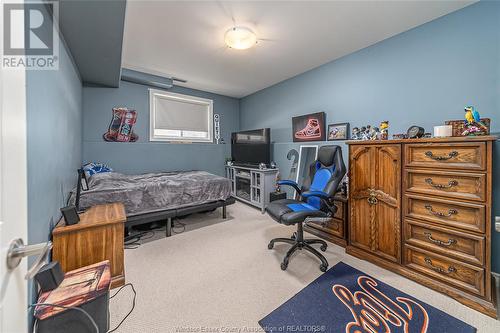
(183, 226)
(92, 321)
(133, 241)
(131, 310)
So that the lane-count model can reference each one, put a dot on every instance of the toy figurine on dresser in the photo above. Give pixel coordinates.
(367, 132)
(384, 130)
(355, 135)
(473, 124)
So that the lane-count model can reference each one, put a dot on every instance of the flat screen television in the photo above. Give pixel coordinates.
(251, 147)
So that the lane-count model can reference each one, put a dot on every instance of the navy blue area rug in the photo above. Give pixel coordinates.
(347, 300)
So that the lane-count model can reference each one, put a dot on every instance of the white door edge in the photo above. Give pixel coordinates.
(13, 198)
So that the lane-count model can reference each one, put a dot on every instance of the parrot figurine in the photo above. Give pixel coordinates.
(471, 115)
(473, 124)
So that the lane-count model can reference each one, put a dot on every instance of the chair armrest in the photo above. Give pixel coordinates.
(290, 183)
(319, 194)
(325, 199)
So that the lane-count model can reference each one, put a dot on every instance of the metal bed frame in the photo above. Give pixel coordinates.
(169, 214)
(161, 215)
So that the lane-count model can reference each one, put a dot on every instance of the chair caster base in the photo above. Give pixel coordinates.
(299, 243)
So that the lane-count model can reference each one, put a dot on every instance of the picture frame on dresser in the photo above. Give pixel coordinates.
(338, 132)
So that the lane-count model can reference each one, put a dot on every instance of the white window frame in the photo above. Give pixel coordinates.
(179, 98)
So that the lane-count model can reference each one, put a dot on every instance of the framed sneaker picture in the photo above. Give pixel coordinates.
(309, 127)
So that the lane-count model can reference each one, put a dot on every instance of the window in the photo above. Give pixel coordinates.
(177, 117)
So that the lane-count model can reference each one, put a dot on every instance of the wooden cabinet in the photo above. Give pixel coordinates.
(97, 237)
(334, 231)
(422, 208)
(375, 196)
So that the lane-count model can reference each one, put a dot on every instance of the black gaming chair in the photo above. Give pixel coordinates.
(315, 203)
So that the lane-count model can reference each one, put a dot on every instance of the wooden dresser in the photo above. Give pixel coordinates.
(336, 230)
(422, 208)
(97, 237)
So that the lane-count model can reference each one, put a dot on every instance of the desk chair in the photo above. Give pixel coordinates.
(315, 204)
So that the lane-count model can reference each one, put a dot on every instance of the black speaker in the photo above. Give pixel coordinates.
(70, 214)
(50, 276)
(75, 321)
(86, 288)
(273, 196)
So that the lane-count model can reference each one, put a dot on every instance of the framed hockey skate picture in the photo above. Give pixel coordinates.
(309, 127)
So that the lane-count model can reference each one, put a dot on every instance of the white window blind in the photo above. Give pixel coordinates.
(177, 117)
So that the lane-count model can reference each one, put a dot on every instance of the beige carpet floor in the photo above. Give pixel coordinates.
(219, 276)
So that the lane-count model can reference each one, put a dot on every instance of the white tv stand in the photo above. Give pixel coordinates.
(252, 185)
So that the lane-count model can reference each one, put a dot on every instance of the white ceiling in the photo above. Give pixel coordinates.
(185, 39)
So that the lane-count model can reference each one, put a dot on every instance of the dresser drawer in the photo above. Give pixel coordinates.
(335, 227)
(467, 277)
(462, 246)
(464, 155)
(469, 186)
(446, 212)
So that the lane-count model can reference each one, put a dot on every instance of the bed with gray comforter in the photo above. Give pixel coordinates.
(153, 192)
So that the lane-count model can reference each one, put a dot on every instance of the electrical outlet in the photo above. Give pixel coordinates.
(497, 223)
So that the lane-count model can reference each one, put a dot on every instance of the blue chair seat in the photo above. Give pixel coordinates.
(291, 212)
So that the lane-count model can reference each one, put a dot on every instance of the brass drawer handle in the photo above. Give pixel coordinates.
(450, 241)
(372, 199)
(451, 154)
(450, 184)
(451, 269)
(449, 214)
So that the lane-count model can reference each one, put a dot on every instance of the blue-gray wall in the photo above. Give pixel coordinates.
(54, 145)
(54, 148)
(143, 155)
(423, 76)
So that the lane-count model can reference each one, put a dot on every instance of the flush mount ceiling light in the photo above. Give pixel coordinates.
(240, 38)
